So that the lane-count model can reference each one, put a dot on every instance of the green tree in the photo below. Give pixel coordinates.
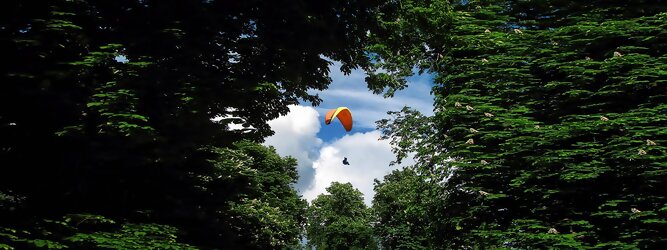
(340, 220)
(251, 200)
(549, 123)
(248, 202)
(401, 208)
(122, 109)
(85, 231)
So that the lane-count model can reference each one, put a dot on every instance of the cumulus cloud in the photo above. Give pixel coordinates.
(369, 159)
(320, 164)
(296, 136)
(300, 133)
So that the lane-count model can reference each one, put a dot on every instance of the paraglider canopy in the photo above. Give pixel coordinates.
(344, 116)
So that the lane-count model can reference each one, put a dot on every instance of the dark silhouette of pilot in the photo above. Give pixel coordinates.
(345, 161)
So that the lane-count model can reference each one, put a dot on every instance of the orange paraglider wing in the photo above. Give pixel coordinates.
(344, 116)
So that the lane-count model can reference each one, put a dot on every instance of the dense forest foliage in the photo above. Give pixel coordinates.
(115, 118)
(138, 124)
(340, 220)
(550, 127)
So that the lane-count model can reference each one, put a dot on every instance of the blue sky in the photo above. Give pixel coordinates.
(351, 91)
(320, 148)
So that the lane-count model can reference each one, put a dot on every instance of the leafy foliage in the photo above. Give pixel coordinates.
(132, 236)
(340, 220)
(549, 123)
(401, 207)
(92, 231)
(124, 110)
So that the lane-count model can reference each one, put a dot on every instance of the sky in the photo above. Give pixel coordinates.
(320, 148)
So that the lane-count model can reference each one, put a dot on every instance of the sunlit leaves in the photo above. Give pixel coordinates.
(340, 220)
(548, 117)
(147, 236)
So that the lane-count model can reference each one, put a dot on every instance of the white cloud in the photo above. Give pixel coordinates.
(296, 136)
(369, 159)
(320, 164)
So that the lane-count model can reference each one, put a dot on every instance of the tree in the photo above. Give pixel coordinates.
(340, 220)
(401, 208)
(85, 231)
(548, 123)
(123, 109)
(248, 202)
(252, 201)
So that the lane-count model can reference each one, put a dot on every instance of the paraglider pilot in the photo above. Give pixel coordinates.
(344, 116)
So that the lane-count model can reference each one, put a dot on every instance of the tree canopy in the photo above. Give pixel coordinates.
(549, 124)
(124, 110)
(340, 220)
(138, 124)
